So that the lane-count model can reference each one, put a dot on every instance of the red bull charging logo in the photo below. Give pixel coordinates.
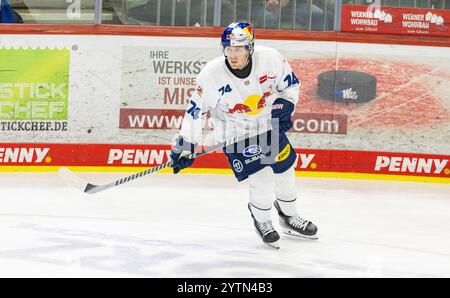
(252, 106)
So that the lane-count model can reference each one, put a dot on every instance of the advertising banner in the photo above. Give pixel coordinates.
(161, 76)
(363, 108)
(144, 156)
(395, 20)
(172, 119)
(33, 86)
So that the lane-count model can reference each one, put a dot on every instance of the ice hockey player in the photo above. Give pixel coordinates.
(253, 91)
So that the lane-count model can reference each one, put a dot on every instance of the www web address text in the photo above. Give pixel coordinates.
(33, 126)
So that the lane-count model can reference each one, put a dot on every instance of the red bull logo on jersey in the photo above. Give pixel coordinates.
(252, 106)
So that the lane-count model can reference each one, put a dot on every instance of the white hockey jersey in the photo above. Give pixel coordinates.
(239, 106)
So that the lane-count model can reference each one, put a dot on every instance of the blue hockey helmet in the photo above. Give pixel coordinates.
(238, 34)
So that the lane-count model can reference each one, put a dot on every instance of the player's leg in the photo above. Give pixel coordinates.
(261, 193)
(261, 197)
(286, 205)
(245, 161)
(286, 191)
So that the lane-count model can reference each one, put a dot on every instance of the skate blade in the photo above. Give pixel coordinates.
(298, 235)
(273, 244)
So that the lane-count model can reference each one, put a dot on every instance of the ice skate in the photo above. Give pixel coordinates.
(296, 226)
(266, 231)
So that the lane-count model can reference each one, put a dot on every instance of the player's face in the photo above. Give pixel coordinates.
(237, 56)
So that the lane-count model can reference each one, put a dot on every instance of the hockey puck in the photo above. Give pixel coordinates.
(347, 86)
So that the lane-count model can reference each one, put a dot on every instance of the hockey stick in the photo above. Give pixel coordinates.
(90, 188)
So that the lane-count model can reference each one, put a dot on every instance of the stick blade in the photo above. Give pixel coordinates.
(72, 179)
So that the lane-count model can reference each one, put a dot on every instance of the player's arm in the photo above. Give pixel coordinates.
(288, 89)
(191, 130)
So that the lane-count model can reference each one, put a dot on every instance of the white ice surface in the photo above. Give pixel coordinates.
(166, 225)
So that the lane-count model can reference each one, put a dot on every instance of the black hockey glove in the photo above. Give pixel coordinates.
(181, 147)
(282, 110)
